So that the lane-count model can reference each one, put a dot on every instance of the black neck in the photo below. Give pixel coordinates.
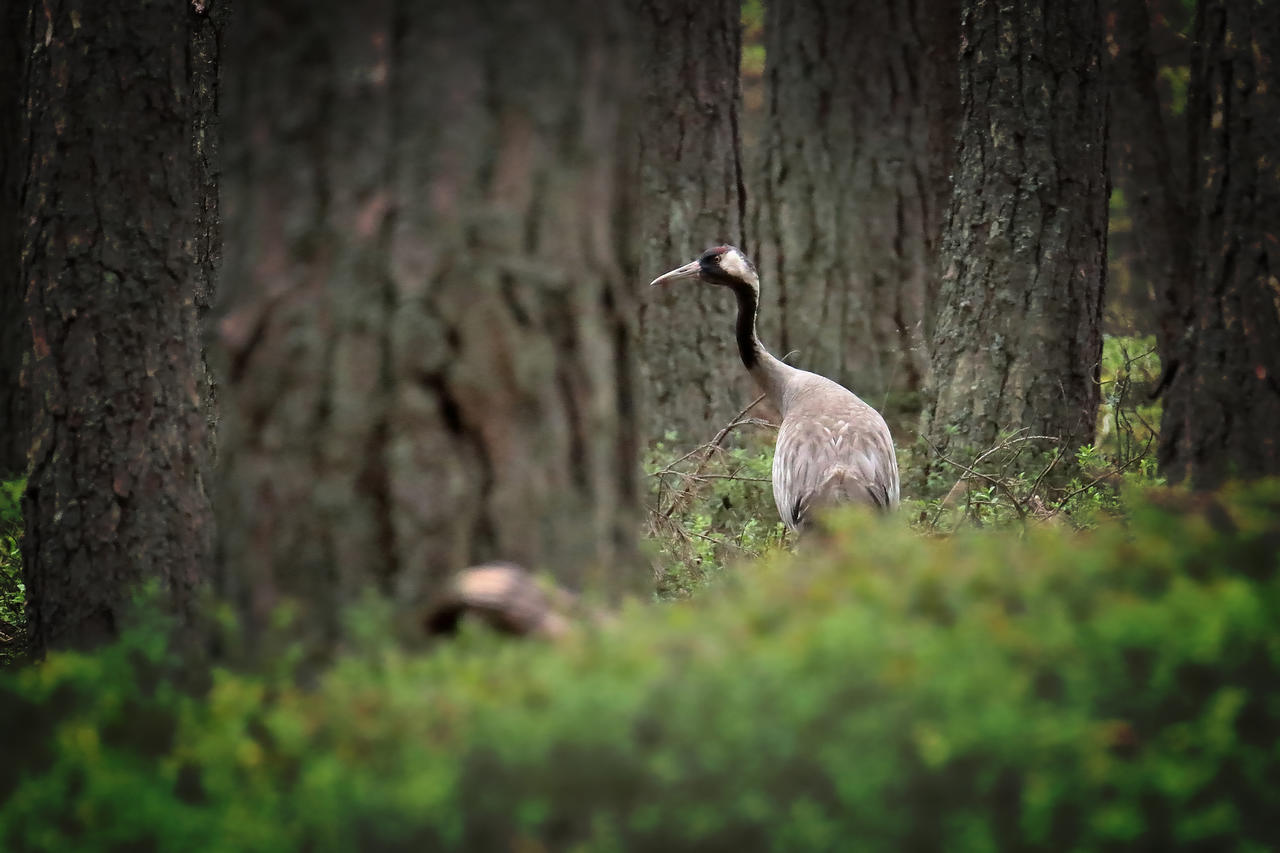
(748, 303)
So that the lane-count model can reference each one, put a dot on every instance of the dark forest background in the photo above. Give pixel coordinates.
(307, 307)
(363, 285)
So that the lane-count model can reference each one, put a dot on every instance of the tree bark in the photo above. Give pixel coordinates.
(116, 495)
(14, 336)
(691, 197)
(1223, 402)
(425, 329)
(204, 83)
(862, 105)
(1018, 339)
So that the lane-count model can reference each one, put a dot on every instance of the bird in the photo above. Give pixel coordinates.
(832, 448)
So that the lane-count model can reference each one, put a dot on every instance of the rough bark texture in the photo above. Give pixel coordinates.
(1222, 404)
(117, 488)
(1018, 338)
(862, 102)
(425, 326)
(691, 198)
(14, 337)
(203, 81)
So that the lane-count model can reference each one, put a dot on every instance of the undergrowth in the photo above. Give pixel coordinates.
(710, 505)
(1031, 479)
(13, 590)
(1115, 688)
(1040, 653)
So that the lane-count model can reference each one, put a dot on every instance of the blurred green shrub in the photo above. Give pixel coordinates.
(1034, 690)
(13, 589)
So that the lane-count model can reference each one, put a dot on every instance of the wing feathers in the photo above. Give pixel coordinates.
(825, 459)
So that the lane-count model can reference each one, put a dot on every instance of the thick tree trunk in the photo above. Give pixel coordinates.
(691, 198)
(1018, 338)
(862, 104)
(1223, 402)
(15, 338)
(425, 325)
(116, 495)
(203, 80)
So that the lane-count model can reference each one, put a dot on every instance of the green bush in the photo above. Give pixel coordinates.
(13, 589)
(709, 508)
(1038, 690)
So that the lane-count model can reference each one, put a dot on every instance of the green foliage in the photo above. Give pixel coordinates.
(752, 18)
(1178, 79)
(1026, 479)
(1049, 691)
(13, 590)
(708, 508)
(1128, 419)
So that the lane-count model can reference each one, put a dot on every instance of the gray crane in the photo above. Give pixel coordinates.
(832, 447)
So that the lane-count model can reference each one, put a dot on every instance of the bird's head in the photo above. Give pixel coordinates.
(723, 265)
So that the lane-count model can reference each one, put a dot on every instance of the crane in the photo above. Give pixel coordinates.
(832, 447)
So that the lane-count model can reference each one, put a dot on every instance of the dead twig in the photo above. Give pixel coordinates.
(971, 472)
(709, 449)
(1105, 475)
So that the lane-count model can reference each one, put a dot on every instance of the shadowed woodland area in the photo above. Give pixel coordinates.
(358, 492)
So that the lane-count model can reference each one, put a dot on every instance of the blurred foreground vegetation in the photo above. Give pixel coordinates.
(1044, 650)
(1037, 687)
(13, 590)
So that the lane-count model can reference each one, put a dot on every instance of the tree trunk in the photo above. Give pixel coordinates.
(1018, 337)
(1148, 173)
(15, 338)
(1223, 403)
(203, 80)
(425, 328)
(691, 198)
(1144, 171)
(862, 106)
(116, 495)
(1151, 254)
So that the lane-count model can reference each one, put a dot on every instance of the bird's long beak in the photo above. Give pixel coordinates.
(689, 270)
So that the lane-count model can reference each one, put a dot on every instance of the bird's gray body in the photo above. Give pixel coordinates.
(832, 447)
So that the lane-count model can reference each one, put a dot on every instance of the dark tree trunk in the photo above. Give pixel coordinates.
(203, 80)
(1018, 339)
(862, 105)
(691, 197)
(1145, 172)
(1151, 255)
(425, 326)
(15, 338)
(116, 495)
(1222, 404)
